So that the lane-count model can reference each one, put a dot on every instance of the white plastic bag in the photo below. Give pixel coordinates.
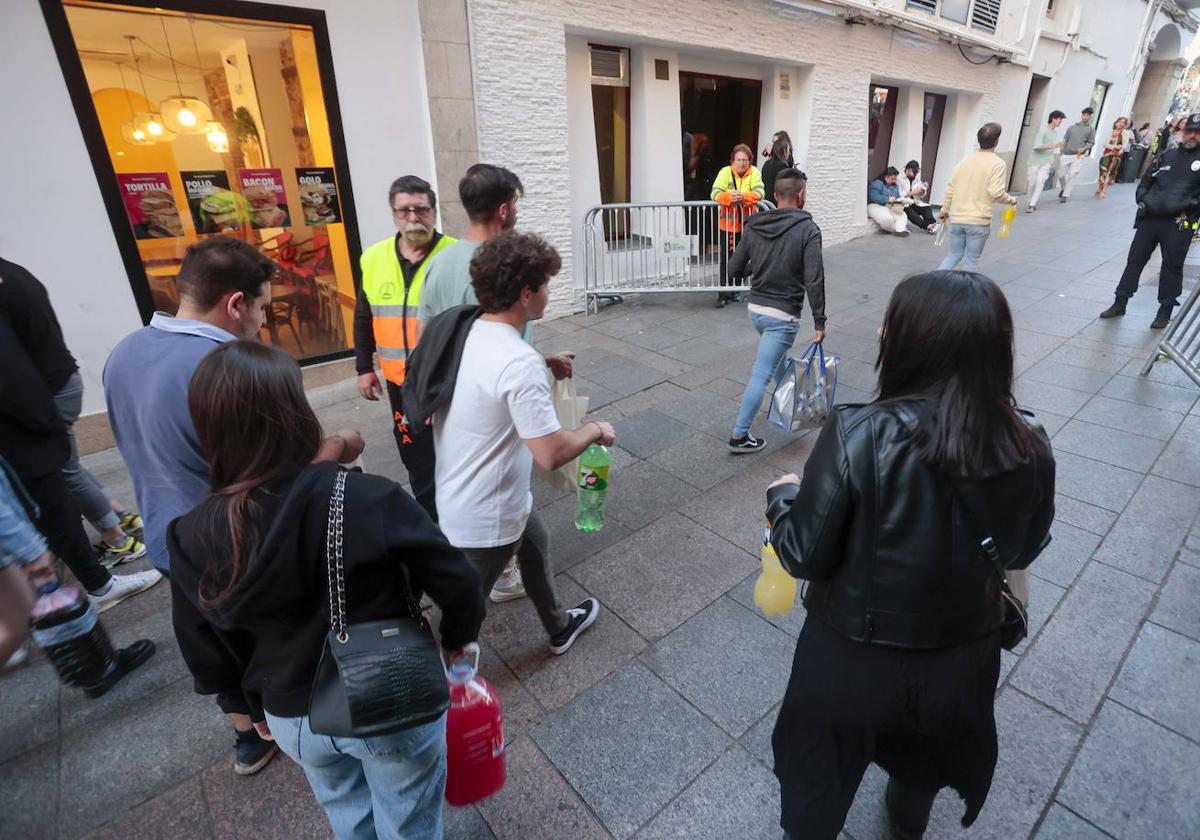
(570, 409)
(805, 395)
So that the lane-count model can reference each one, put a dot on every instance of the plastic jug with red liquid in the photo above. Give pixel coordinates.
(475, 766)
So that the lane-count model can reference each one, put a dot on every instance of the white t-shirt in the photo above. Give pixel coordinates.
(501, 397)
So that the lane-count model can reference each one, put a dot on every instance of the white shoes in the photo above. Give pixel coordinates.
(124, 586)
(509, 586)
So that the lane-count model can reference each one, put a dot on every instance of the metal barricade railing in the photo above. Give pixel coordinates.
(677, 246)
(1181, 342)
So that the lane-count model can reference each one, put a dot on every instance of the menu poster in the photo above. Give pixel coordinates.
(214, 207)
(150, 204)
(263, 189)
(318, 195)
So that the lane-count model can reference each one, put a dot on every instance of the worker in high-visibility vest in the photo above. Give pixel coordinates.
(386, 323)
(737, 188)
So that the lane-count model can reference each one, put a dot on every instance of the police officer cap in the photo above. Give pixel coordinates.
(1193, 122)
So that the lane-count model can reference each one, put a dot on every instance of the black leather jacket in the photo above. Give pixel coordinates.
(891, 555)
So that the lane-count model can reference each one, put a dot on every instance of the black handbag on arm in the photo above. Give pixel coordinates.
(374, 677)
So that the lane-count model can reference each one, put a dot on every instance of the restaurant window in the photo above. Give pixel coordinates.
(203, 124)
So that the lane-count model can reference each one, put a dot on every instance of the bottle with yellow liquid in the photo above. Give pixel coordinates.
(775, 589)
(1006, 221)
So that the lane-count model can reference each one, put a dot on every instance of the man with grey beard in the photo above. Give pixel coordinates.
(386, 322)
(1168, 200)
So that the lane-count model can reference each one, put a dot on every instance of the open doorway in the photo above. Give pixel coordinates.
(718, 112)
(881, 119)
(1036, 114)
(932, 116)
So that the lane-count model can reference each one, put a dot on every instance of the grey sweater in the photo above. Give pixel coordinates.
(1079, 136)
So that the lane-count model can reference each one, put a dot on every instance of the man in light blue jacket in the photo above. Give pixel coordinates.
(884, 204)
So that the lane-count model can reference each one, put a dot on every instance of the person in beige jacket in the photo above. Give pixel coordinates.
(976, 184)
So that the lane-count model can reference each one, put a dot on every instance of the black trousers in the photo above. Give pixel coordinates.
(61, 524)
(416, 451)
(922, 217)
(728, 242)
(1166, 235)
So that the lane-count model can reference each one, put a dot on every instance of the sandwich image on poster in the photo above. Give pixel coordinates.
(318, 195)
(263, 191)
(215, 208)
(150, 205)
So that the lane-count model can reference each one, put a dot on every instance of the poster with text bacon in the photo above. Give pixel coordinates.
(263, 189)
(150, 204)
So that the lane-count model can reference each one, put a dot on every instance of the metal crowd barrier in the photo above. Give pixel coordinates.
(1181, 342)
(658, 247)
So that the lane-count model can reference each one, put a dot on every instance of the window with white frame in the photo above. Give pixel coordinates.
(981, 14)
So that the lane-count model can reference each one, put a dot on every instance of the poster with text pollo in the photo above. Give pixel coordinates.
(318, 195)
(150, 205)
(215, 208)
(263, 190)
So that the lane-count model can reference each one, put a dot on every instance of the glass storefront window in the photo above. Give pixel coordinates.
(215, 125)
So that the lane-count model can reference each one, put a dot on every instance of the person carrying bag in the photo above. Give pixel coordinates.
(294, 589)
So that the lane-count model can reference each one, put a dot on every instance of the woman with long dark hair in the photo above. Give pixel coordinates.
(781, 153)
(889, 526)
(250, 587)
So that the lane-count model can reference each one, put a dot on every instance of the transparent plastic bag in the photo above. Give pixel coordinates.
(805, 395)
(570, 409)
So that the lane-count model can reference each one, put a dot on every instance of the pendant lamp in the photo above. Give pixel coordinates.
(146, 125)
(182, 114)
(130, 130)
(218, 140)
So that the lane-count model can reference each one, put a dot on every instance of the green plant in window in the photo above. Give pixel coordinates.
(246, 131)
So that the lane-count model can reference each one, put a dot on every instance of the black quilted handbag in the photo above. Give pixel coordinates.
(374, 677)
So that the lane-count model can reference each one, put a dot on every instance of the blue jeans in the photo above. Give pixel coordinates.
(390, 787)
(966, 244)
(776, 338)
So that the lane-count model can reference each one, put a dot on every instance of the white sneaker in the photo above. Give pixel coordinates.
(509, 586)
(124, 586)
(18, 658)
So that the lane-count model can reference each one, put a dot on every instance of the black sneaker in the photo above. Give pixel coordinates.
(747, 443)
(579, 619)
(128, 659)
(252, 753)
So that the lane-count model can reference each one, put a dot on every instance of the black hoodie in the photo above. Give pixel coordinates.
(782, 250)
(263, 640)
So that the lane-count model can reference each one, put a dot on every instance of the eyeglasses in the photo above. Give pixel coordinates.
(418, 211)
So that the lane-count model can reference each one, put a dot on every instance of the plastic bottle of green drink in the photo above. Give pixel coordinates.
(592, 481)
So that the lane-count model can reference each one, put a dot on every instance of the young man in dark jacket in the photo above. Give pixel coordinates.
(1168, 200)
(782, 250)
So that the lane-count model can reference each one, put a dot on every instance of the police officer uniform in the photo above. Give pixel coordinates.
(1168, 198)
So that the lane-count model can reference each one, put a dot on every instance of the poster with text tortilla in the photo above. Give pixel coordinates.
(215, 208)
(150, 205)
(263, 190)
(318, 195)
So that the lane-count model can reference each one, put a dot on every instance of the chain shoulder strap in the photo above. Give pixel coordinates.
(333, 557)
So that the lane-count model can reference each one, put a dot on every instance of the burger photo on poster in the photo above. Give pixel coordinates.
(317, 204)
(265, 210)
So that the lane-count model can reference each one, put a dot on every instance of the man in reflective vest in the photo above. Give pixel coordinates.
(386, 323)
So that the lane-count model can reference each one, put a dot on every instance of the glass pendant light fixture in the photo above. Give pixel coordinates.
(183, 114)
(145, 124)
(130, 130)
(218, 140)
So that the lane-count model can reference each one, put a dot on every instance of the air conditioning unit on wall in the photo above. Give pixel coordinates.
(608, 65)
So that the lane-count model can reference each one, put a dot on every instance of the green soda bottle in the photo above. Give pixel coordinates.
(592, 481)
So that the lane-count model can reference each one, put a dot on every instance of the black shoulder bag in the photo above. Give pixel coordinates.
(374, 677)
(1014, 627)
